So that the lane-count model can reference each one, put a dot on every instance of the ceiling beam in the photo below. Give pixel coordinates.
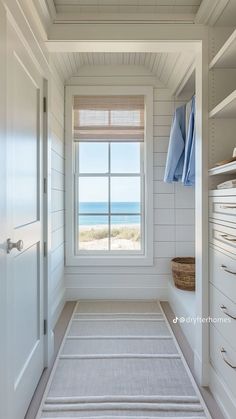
(124, 17)
(125, 37)
(210, 11)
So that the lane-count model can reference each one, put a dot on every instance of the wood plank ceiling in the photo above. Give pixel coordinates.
(160, 65)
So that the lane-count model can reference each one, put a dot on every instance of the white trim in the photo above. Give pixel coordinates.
(26, 34)
(225, 57)
(51, 8)
(108, 260)
(188, 79)
(210, 11)
(97, 45)
(68, 18)
(201, 216)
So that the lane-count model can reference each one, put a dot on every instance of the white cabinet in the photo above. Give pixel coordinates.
(223, 272)
(222, 277)
(223, 313)
(223, 208)
(223, 359)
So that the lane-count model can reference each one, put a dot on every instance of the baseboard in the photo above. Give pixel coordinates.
(58, 307)
(201, 370)
(182, 304)
(116, 293)
(222, 395)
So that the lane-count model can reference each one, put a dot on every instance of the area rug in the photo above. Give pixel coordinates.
(119, 359)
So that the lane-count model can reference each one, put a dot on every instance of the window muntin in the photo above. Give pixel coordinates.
(108, 132)
(109, 205)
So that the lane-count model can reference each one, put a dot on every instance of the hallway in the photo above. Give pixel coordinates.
(120, 359)
(117, 209)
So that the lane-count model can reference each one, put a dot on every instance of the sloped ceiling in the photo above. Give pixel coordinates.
(161, 65)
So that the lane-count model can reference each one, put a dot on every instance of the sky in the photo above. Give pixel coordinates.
(93, 158)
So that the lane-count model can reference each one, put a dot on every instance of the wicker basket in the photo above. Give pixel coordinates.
(183, 270)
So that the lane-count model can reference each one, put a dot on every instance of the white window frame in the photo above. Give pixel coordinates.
(106, 258)
(109, 214)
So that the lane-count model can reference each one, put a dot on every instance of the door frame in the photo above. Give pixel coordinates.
(49, 335)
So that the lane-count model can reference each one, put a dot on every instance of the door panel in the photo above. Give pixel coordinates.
(26, 268)
(25, 209)
(26, 114)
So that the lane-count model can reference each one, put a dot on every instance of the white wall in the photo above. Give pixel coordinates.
(173, 224)
(56, 121)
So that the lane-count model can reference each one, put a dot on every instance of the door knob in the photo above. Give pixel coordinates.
(18, 245)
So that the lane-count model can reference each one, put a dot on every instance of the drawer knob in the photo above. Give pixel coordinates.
(224, 267)
(228, 237)
(228, 206)
(224, 309)
(223, 352)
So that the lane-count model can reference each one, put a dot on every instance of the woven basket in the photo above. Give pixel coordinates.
(183, 270)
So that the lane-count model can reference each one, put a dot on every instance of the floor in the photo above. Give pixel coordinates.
(60, 331)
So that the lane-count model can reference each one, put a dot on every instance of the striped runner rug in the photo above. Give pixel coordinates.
(119, 359)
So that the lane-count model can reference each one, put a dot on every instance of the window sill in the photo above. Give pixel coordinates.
(135, 260)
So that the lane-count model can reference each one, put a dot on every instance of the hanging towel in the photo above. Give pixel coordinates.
(175, 155)
(187, 115)
(188, 177)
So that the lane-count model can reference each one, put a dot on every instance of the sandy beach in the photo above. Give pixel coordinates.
(123, 237)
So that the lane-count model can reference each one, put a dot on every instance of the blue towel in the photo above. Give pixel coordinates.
(175, 155)
(188, 177)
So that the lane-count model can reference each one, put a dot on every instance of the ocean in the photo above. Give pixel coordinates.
(90, 208)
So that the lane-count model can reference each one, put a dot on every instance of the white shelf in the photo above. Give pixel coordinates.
(226, 108)
(226, 57)
(225, 169)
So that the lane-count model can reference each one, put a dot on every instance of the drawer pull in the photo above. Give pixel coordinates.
(227, 270)
(228, 206)
(224, 309)
(223, 352)
(229, 238)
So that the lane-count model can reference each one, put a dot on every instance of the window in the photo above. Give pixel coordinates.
(108, 137)
(109, 176)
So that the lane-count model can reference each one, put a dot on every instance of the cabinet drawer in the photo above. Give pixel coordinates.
(223, 208)
(224, 309)
(223, 272)
(222, 236)
(223, 358)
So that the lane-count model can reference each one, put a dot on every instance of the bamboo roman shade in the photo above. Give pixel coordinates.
(108, 118)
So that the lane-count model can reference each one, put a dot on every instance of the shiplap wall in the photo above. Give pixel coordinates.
(57, 194)
(173, 228)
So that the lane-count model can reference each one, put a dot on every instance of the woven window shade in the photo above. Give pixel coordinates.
(108, 118)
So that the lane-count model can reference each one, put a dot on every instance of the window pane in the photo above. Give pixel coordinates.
(125, 232)
(125, 158)
(93, 232)
(125, 194)
(93, 157)
(93, 195)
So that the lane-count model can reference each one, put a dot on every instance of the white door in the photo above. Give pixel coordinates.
(25, 246)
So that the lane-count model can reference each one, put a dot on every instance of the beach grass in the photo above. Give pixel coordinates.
(122, 232)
